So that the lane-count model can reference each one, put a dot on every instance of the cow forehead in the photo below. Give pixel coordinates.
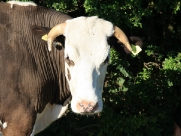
(87, 37)
(87, 26)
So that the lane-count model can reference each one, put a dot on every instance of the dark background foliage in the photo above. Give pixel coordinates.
(141, 92)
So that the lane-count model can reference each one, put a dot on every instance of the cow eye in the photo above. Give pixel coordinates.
(106, 60)
(69, 62)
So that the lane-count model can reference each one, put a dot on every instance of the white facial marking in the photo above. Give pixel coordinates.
(86, 45)
(21, 3)
(50, 114)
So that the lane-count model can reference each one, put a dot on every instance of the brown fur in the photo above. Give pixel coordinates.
(30, 75)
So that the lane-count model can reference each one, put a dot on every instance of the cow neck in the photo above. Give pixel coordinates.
(42, 71)
(56, 58)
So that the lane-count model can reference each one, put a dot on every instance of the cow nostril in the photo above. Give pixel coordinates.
(87, 107)
(81, 105)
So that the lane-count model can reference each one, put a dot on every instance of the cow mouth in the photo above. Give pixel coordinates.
(88, 113)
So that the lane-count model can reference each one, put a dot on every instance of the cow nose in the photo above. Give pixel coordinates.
(87, 107)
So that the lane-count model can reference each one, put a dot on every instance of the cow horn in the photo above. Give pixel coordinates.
(55, 32)
(119, 34)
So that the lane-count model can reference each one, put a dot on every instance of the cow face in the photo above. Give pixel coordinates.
(86, 60)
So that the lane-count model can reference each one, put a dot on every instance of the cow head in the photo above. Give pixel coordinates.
(86, 59)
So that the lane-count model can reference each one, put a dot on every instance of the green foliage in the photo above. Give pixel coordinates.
(141, 92)
(171, 63)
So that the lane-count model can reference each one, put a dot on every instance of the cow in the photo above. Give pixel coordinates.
(37, 83)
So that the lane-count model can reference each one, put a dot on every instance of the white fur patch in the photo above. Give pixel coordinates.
(21, 3)
(32, 134)
(88, 26)
(50, 114)
(3, 125)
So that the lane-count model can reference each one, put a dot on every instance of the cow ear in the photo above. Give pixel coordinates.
(118, 46)
(42, 32)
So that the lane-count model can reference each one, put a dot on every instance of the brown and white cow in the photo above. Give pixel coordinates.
(36, 84)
